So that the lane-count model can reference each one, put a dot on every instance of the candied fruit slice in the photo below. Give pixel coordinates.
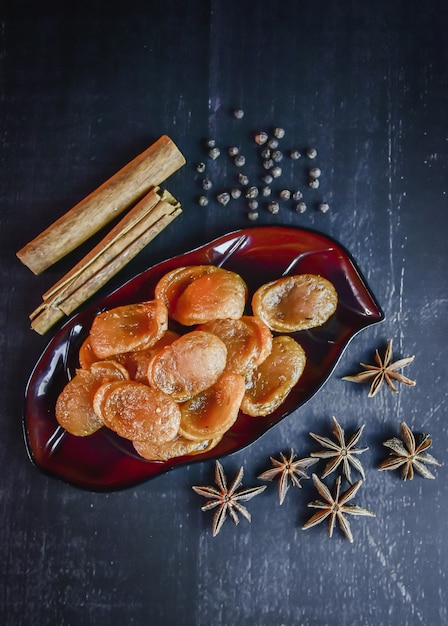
(268, 385)
(74, 409)
(137, 412)
(294, 303)
(188, 366)
(127, 328)
(213, 411)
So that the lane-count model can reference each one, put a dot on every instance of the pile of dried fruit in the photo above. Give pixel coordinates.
(172, 374)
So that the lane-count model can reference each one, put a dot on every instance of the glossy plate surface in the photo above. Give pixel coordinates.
(104, 461)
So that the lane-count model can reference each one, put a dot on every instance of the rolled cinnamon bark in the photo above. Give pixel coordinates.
(144, 222)
(148, 170)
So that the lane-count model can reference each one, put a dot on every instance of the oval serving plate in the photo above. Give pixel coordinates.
(104, 461)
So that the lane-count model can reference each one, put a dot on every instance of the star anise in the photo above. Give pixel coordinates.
(227, 499)
(335, 508)
(289, 472)
(340, 452)
(384, 371)
(409, 454)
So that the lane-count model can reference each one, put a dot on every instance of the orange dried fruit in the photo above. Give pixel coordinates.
(127, 328)
(263, 335)
(213, 411)
(86, 355)
(173, 283)
(248, 341)
(218, 295)
(294, 303)
(109, 370)
(74, 407)
(137, 362)
(137, 412)
(178, 447)
(268, 385)
(188, 366)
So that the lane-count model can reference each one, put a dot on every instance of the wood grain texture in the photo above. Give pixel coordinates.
(83, 91)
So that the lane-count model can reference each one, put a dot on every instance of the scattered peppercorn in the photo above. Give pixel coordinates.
(252, 192)
(261, 138)
(277, 156)
(268, 164)
(238, 114)
(279, 133)
(243, 179)
(223, 198)
(311, 153)
(301, 207)
(200, 167)
(297, 195)
(253, 204)
(273, 207)
(267, 178)
(235, 193)
(207, 184)
(265, 153)
(233, 151)
(323, 207)
(239, 160)
(285, 194)
(266, 191)
(315, 172)
(214, 153)
(202, 200)
(276, 172)
(295, 154)
(210, 143)
(273, 143)
(313, 183)
(253, 215)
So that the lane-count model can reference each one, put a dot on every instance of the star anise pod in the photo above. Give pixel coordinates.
(335, 507)
(384, 371)
(409, 455)
(227, 499)
(340, 452)
(288, 471)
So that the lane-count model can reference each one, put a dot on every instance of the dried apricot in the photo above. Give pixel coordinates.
(213, 411)
(74, 407)
(294, 303)
(178, 447)
(246, 341)
(137, 412)
(268, 384)
(137, 362)
(86, 355)
(188, 366)
(263, 335)
(218, 295)
(128, 328)
(173, 283)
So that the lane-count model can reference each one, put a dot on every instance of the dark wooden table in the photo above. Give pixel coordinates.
(82, 91)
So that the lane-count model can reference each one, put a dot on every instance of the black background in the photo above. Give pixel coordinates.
(84, 87)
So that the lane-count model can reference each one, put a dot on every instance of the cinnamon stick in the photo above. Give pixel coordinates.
(144, 222)
(146, 171)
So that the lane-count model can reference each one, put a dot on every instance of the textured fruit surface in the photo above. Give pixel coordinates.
(294, 303)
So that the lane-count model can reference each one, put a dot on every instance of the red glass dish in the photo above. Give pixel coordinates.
(105, 461)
